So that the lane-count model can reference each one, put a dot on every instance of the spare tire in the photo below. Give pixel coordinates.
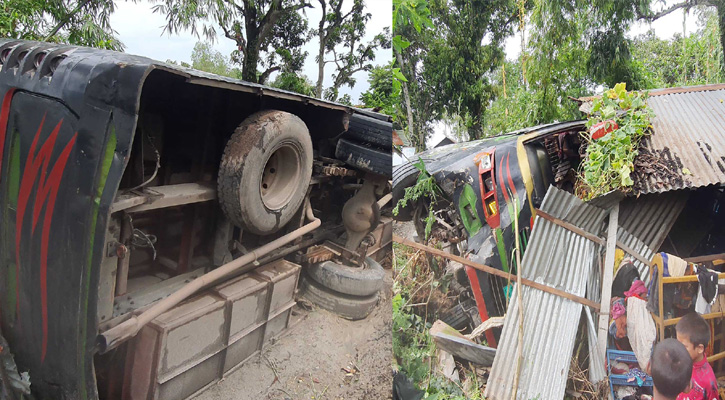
(265, 171)
(366, 129)
(364, 281)
(364, 158)
(346, 306)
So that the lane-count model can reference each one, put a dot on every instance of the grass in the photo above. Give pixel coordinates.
(413, 349)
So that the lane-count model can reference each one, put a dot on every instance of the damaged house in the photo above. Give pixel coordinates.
(579, 259)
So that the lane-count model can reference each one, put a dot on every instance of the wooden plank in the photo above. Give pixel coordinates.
(633, 253)
(594, 238)
(581, 232)
(497, 272)
(686, 278)
(126, 201)
(603, 327)
(702, 259)
(716, 357)
(715, 315)
(166, 196)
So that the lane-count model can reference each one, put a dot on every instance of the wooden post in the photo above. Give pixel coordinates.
(607, 281)
(497, 272)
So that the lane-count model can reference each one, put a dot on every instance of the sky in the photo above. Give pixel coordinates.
(141, 31)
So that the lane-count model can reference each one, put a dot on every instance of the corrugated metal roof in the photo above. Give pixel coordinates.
(688, 136)
(562, 259)
(649, 217)
(689, 127)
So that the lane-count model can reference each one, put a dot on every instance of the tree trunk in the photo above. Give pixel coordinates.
(721, 24)
(320, 66)
(476, 130)
(251, 58)
(406, 97)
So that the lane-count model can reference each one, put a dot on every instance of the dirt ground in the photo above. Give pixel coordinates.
(321, 357)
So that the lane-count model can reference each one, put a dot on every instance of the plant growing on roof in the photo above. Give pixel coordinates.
(425, 188)
(625, 118)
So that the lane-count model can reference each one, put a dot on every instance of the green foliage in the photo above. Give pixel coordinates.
(267, 33)
(411, 25)
(610, 159)
(413, 13)
(205, 58)
(84, 23)
(294, 83)
(425, 188)
(381, 94)
(693, 60)
(470, 48)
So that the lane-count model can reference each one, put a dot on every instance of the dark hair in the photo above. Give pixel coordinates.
(671, 367)
(695, 328)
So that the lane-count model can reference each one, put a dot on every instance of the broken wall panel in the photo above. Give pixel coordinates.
(559, 258)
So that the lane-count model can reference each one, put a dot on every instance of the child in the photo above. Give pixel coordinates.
(694, 333)
(671, 369)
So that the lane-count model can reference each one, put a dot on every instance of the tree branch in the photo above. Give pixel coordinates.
(674, 7)
(65, 19)
(265, 75)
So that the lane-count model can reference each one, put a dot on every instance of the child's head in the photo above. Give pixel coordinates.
(671, 368)
(694, 333)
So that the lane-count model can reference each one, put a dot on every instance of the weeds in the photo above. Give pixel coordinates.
(413, 348)
(425, 188)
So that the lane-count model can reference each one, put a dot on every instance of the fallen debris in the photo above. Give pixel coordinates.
(460, 346)
(447, 365)
(493, 322)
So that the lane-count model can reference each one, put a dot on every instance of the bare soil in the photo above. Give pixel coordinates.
(321, 357)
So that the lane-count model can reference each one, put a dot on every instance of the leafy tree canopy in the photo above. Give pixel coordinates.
(294, 83)
(81, 22)
(380, 95)
(266, 32)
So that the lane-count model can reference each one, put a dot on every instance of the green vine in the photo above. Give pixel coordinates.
(610, 159)
(425, 187)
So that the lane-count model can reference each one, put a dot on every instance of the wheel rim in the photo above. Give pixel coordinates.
(281, 174)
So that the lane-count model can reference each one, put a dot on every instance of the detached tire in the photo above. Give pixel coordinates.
(346, 306)
(366, 129)
(265, 171)
(365, 281)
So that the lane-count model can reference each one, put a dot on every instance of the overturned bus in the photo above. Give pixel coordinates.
(155, 218)
(485, 184)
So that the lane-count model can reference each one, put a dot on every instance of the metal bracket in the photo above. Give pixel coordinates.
(116, 249)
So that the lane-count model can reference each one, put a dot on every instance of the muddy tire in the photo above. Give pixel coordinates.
(349, 280)
(265, 171)
(366, 129)
(346, 306)
(364, 158)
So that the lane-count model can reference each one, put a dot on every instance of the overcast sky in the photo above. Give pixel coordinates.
(146, 39)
